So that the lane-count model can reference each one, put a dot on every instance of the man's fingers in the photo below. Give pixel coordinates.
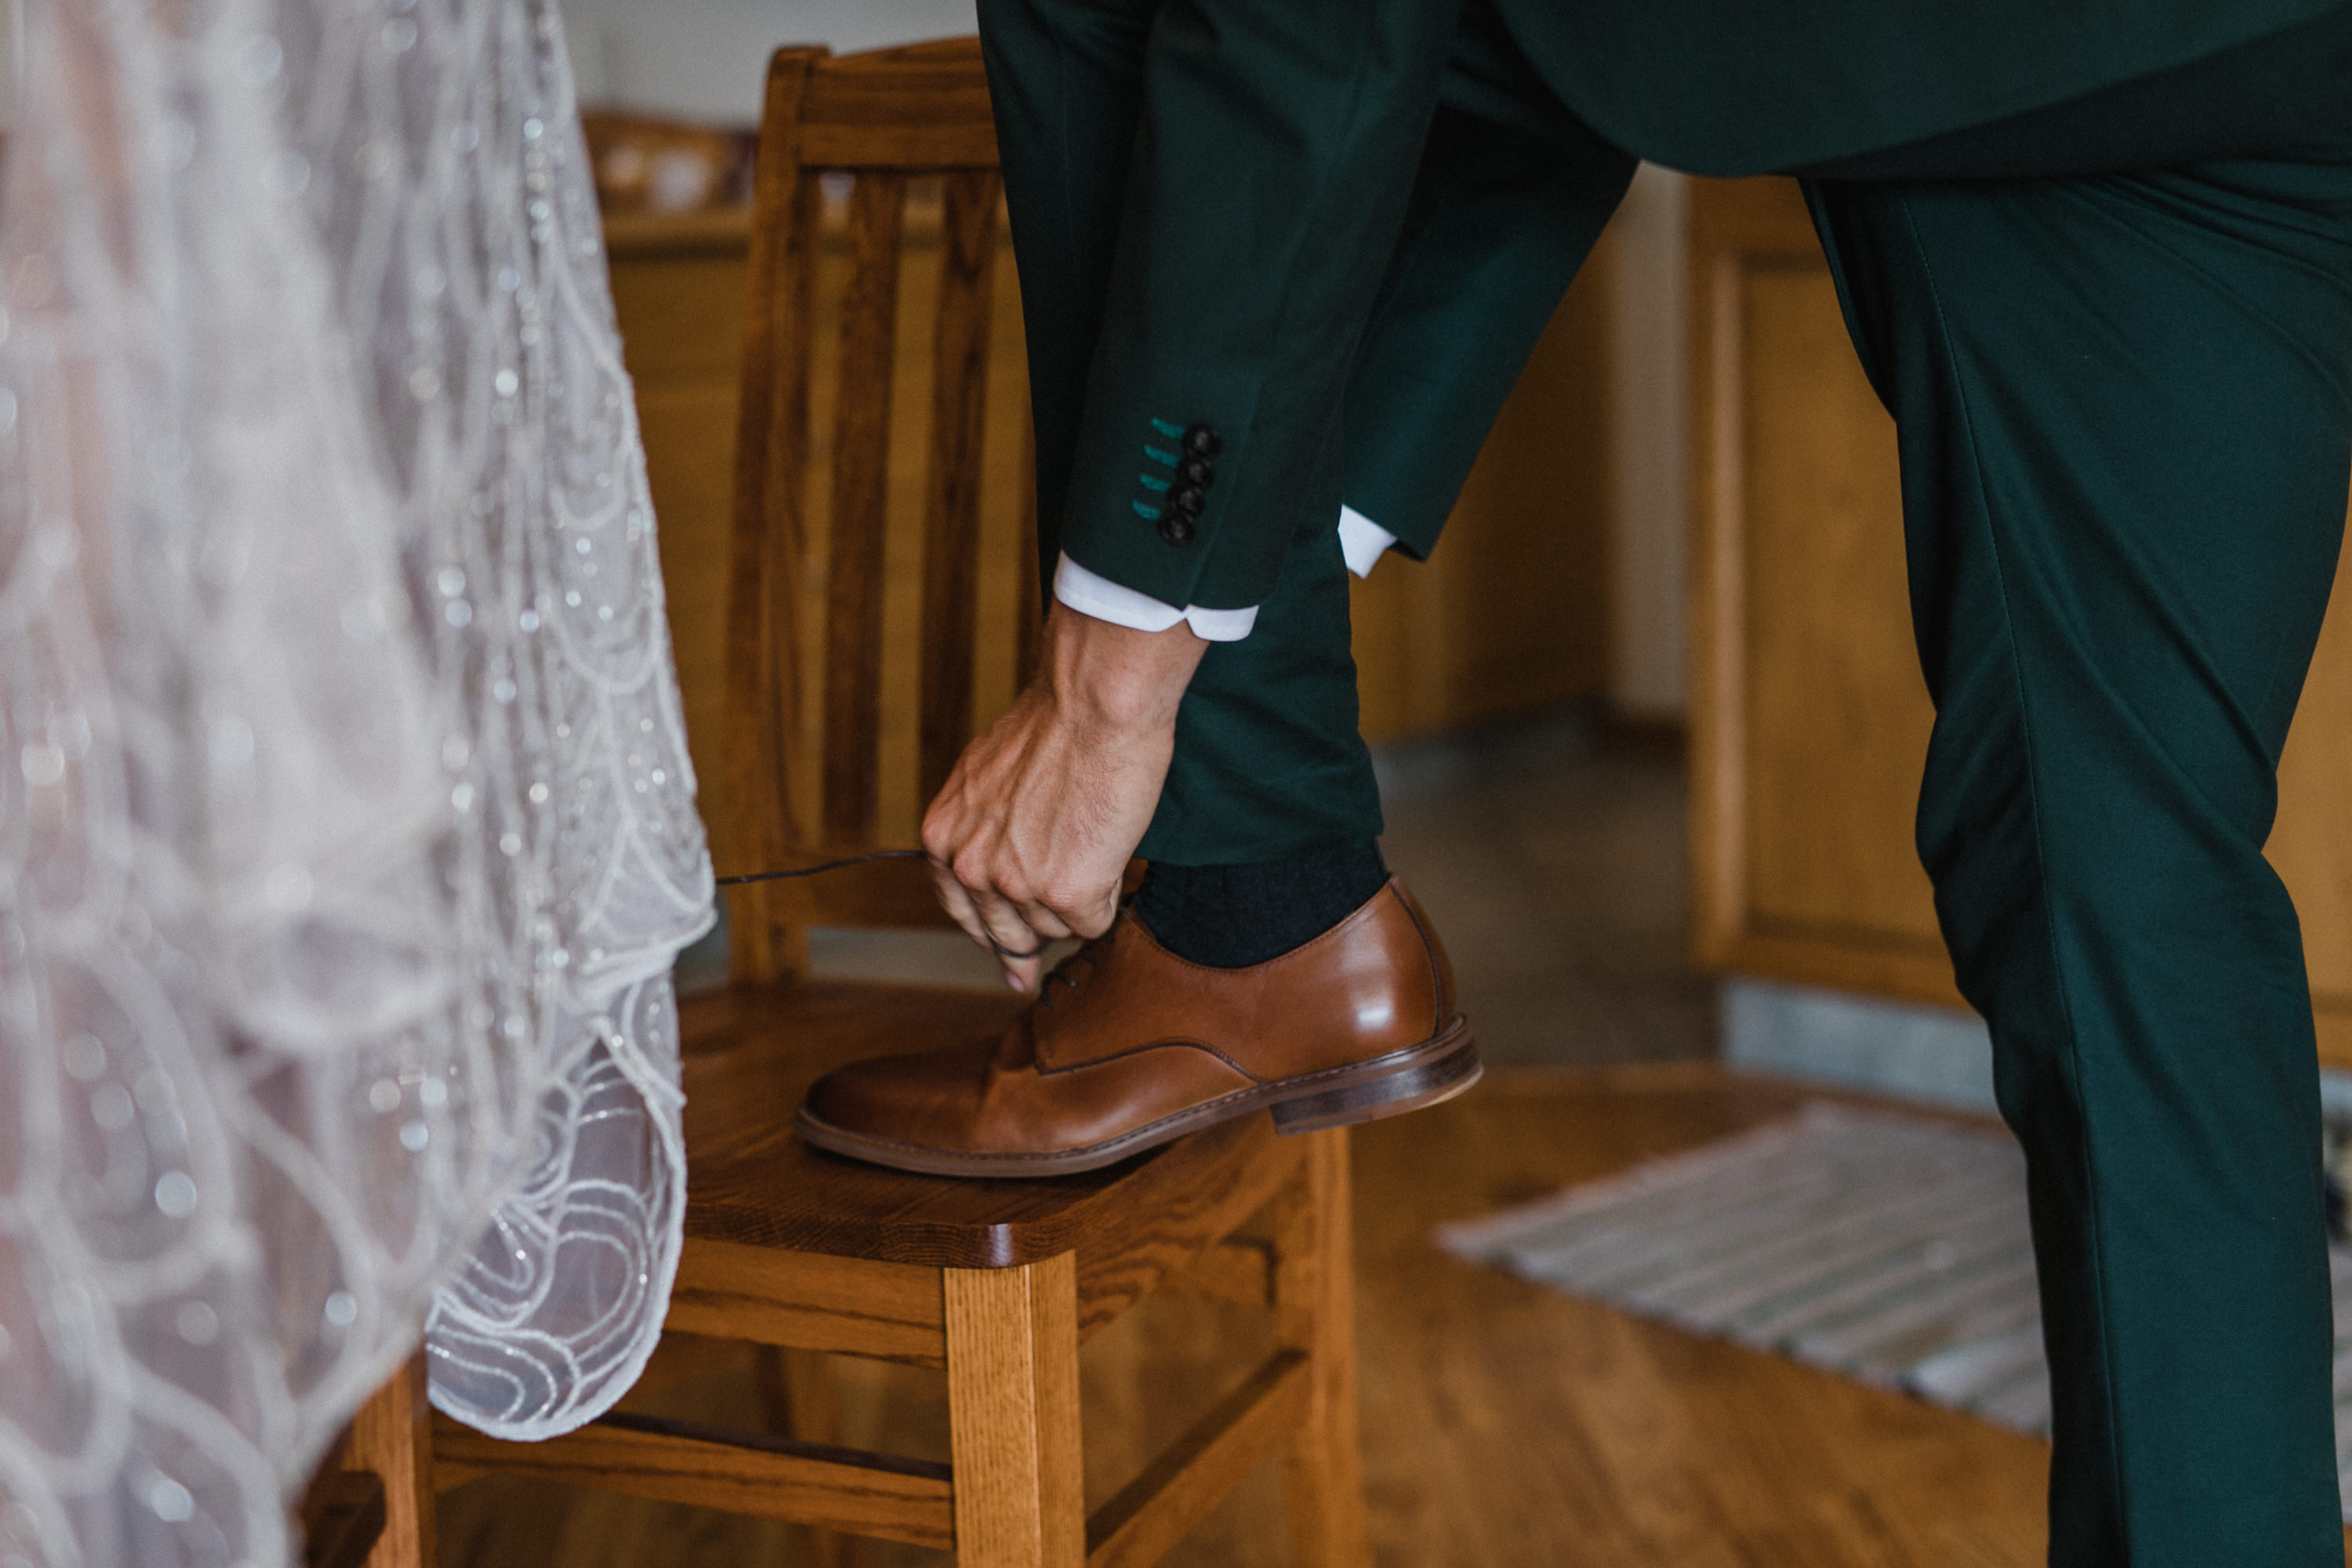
(957, 901)
(1011, 936)
(1093, 919)
(996, 924)
(1046, 920)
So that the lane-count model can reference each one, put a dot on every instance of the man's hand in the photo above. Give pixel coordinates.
(1033, 829)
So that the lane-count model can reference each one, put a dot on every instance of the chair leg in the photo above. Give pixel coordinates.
(392, 1435)
(801, 1399)
(1013, 1416)
(1315, 1313)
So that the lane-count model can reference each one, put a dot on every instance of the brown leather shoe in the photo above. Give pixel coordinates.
(1128, 1047)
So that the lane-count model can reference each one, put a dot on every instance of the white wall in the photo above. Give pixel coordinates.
(705, 59)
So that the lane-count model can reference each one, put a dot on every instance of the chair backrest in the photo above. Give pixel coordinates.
(889, 124)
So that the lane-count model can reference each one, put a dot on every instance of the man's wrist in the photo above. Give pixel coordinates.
(1103, 674)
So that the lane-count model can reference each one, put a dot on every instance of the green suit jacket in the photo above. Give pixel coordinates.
(1757, 86)
(1269, 211)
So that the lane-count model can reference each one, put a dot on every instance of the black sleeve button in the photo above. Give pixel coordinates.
(1189, 501)
(1198, 473)
(1201, 441)
(1176, 528)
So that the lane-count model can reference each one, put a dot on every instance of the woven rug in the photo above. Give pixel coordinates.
(1887, 1248)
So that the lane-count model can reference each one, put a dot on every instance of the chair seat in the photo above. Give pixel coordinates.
(750, 1055)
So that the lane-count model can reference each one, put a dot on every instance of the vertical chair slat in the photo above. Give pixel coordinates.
(1031, 632)
(952, 520)
(853, 650)
(755, 828)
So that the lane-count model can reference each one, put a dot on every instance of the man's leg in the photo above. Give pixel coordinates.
(2125, 430)
(1270, 798)
(1268, 768)
(1268, 764)
(1511, 193)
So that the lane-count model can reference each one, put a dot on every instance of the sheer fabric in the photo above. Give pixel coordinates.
(346, 824)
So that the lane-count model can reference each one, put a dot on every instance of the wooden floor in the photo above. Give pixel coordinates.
(1504, 1424)
(1554, 858)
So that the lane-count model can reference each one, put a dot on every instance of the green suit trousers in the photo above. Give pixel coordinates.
(2117, 339)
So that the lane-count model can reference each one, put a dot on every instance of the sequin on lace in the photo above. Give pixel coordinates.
(346, 824)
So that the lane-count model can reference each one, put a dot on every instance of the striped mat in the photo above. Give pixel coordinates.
(1891, 1249)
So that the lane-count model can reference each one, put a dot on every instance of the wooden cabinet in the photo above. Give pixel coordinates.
(1809, 719)
(1510, 614)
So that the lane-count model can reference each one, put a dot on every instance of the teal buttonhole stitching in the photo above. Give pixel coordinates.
(1147, 482)
(1165, 428)
(1156, 456)
(1149, 514)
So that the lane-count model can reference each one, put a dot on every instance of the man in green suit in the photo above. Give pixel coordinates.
(1281, 262)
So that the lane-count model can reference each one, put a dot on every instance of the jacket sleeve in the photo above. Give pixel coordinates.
(1273, 154)
(1511, 195)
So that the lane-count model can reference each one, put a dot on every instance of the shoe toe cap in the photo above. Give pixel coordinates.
(922, 1096)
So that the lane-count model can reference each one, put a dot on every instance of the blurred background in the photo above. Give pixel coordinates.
(1526, 690)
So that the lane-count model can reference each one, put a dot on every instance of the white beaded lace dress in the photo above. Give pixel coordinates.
(346, 827)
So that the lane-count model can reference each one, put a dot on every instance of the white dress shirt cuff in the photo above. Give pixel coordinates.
(1362, 541)
(1092, 594)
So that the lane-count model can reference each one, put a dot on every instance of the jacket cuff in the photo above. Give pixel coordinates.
(1092, 594)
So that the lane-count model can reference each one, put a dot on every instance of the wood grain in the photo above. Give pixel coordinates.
(1012, 1406)
(861, 471)
(879, 521)
(753, 826)
(767, 1477)
(859, 117)
(343, 1516)
(1315, 1316)
(1193, 1474)
(1241, 1271)
(811, 1301)
(392, 1439)
(802, 1399)
(1171, 1212)
(951, 524)
(1504, 1424)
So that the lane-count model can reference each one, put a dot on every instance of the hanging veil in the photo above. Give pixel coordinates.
(346, 827)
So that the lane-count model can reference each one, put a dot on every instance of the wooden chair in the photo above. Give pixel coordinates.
(340, 1514)
(996, 1282)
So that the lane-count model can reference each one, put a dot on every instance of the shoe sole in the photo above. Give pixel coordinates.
(1411, 1080)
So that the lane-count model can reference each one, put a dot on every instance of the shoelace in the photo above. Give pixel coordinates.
(741, 878)
(812, 870)
(1061, 972)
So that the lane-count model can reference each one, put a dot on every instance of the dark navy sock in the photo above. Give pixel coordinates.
(1229, 917)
